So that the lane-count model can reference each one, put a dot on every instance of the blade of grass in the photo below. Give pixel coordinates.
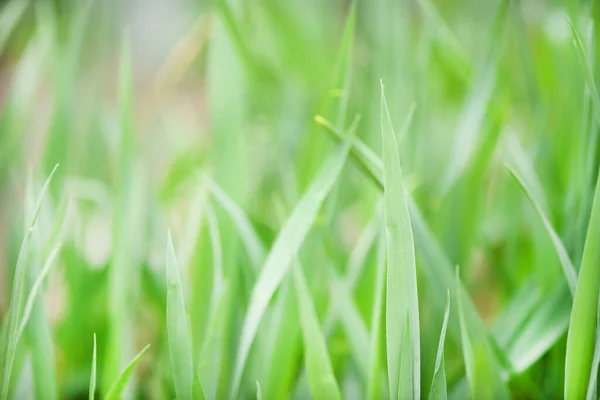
(438, 385)
(321, 380)
(580, 338)
(116, 390)
(18, 293)
(561, 252)
(288, 242)
(209, 362)
(592, 386)
(92, 391)
(401, 302)
(180, 345)
(258, 391)
(374, 387)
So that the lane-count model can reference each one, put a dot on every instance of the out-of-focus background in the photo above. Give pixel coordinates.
(143, 102)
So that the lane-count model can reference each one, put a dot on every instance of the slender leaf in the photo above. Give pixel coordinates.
(438, 384)
(258, 391)
(374, 386)
(18, 294)
(116, 390)
(321, 379)
(92, 391)
(180, 345)
(565, 261)
(288, 242)
(402, 305)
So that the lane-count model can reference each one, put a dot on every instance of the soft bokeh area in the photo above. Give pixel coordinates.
(208, 178)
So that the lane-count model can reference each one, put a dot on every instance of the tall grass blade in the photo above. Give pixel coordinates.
(565, 262)
(180, 345)
(258, 391)
(374, 387)
(593, 385)
(286, 245)
(321, 379)
(580, 338)
(402, 305)
(116, 390)
(18, 294)
(439, 390)
(92, 391)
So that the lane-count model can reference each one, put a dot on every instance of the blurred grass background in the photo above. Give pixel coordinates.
(137, 101)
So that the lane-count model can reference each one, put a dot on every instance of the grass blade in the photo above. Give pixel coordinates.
(592, 386)
(321, 379)
(92, 391)
(288, 242)
(580, 338)
(209, 363)
(438, 385)
(18, 293)
(35, 290)
(116, 390)
(180, 345)
(374, 386)
(565, 261)
(402, 306)
(258, 391)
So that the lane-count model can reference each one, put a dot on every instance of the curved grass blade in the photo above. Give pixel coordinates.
(18, 293)
(36, 288)
(92, 391)
(565, 261)
(321, 379)
(116, 390)
(580, 338)
(402, 308)
(374, 387)
(250, 238)
(286, 245)
(180, 345)
(438, 384)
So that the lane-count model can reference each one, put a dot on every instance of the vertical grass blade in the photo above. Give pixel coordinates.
(92, 391)
(116, 390)
(321, 379)
(565, 262)
(402, 306)
(592, 386)
(286, 245)
(438, 385)
(258, 391)
(18, 294)
(180, 345)
(580, 338)
(374, 387)
(209, 362)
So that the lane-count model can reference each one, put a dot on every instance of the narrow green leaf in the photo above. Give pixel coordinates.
(402, 304)
(587, 70)
(592, 386)
(209, 363)
(580, 338)
(438, 385)
(321, 379)
(565, 261)
(180, 345)
(286, 245)
(116, 390)
(36, 288)
(18, 293)
(258, 391)
(374, 387)
(250, 238)
(92, 391)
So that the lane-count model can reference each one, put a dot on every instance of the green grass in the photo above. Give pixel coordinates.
(314, 222)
